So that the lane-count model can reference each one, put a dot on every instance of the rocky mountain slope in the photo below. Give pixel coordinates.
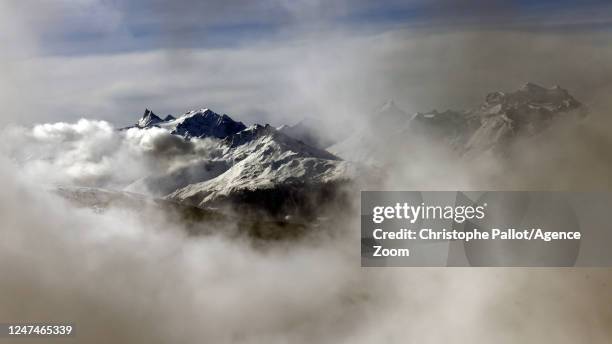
(264, 158)
(193, 124)
(525, 112)
(255, 160)
(195, 220)
(285, 171)
(500, 119)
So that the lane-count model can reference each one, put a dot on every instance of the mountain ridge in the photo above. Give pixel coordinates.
(263, 161)
(499, 119)
(192, 124)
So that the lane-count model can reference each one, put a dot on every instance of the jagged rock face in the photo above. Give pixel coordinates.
(194, 124)
(286, 142)
(206, 123)
(501, 118)
(249, 135)
(552, 99)
(148, 119)
(249, 163)
(263, 162)
(525, 112)
(263, 159)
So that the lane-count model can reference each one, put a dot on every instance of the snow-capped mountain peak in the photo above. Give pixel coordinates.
(250, 160)
(502, 117)
(196, 123)
(532, 95)
(148, 119)
(200, 112)
(257, 134)
(263, 159)
(206, 123)
(526, 111)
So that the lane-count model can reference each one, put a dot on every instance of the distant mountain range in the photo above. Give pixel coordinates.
(287, 170)
(489, 128)
(257, 160)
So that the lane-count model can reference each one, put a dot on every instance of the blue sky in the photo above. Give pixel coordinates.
(106, 26)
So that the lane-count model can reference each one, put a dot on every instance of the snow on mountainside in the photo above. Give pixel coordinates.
(205, 123)
(246, 160)
(501, 118)
(193, 124)
(148, 119)
(271, 168)
(525, 112)
(263, 159)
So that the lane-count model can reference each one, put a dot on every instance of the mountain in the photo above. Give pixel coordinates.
(495, 123)
(255, 167)
(285, 171)
(148, 119)
(193, 124)
(195, 220)
(205, 123)
(525, 112)
(265, 164)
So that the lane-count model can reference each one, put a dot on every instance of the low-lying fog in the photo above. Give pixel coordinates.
(135, 276)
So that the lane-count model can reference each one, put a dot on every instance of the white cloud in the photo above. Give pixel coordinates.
(94, 153)
(126, 276)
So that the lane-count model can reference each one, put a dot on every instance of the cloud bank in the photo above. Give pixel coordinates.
(95, 154)
(135, 276)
